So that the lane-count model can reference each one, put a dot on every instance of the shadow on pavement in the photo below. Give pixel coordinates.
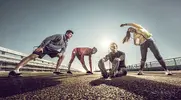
(149, 89)
(19, 85)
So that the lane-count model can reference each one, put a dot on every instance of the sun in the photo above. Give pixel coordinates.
(105, 43)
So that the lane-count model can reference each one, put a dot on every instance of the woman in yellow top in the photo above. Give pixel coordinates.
(144, 39)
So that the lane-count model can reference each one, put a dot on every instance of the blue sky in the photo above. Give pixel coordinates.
(25, 23)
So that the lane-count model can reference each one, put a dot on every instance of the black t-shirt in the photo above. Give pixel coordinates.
(111, 56)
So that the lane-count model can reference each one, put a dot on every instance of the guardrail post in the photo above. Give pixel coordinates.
(175, 62)
(146, 65)
(21, 57)
(135, 66)
(3, 52)
(0, 64)
(127, 67)
(150, 64)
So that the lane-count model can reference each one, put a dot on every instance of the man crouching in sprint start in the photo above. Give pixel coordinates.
(80, 53)
(117, 58)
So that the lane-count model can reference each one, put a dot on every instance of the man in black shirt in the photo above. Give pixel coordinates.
(117, 58)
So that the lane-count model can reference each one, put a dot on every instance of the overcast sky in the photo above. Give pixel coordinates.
(25, 23)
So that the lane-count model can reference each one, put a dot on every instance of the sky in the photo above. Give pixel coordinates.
(25, 23)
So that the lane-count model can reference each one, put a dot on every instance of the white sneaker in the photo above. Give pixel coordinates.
(168, 73)
(140, 73)
(16, 71)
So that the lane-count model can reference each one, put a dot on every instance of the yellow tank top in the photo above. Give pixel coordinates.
(141, 35)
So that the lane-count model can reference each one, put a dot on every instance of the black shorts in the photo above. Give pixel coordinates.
(52, 54)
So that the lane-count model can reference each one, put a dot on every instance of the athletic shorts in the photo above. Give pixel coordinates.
(52, 54)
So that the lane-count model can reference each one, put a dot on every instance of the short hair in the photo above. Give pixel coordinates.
(69, 31)
(94, 48)
(113, 44)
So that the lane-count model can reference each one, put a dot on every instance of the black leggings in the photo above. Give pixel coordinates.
(144, 48)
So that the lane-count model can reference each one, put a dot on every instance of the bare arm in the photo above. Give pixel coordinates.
(106, 58)
(90, 63)
(135, 41)
(63, 49)
(131, 24)
(122, 57)
(82, 59)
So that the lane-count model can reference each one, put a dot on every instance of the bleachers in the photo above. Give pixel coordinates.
(10, 58)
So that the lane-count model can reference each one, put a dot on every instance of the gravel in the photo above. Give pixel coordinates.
(80, 86)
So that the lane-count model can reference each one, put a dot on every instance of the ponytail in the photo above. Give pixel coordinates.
(127, 37)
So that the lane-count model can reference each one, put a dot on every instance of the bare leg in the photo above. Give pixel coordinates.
(24, 61)
(83, 63)
(59, 62)
(71, 60)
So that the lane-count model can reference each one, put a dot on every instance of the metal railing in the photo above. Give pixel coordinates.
(172, 64)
